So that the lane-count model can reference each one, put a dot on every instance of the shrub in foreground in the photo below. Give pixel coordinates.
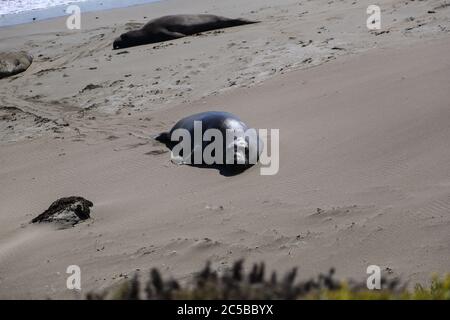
(237, 284)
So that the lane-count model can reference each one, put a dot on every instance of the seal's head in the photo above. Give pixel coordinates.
(246, 148)
(129, 39)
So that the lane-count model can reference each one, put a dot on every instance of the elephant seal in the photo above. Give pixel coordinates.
(12, 63)
(243, 149)
(173, 27)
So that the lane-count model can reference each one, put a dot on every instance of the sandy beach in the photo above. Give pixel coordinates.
(363, 115)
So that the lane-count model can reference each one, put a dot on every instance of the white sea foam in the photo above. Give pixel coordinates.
(17, 6)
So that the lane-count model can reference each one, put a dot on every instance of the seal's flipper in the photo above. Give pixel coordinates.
(171, 35)
(163, 137)
(245, 21)
(227, 23)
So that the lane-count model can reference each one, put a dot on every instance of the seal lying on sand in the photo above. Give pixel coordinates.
(173, 27)
(12, 63)
(240, 151)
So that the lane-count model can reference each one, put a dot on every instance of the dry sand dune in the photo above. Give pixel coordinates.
(364, 146)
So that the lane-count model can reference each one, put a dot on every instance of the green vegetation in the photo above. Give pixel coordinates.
(236, 284)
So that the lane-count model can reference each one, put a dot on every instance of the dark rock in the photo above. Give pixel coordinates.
(90, 87)
(66, 211)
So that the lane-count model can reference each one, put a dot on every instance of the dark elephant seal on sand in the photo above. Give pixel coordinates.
(245, 150)
(12, 63)
(175, 26)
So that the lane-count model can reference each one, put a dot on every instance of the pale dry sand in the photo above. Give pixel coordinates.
(364, 136)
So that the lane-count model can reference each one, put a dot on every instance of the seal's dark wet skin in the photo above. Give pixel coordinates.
(174, 27)
(221, 121)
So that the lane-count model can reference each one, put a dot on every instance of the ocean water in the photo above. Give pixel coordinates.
(16, 6)
(24, 11)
